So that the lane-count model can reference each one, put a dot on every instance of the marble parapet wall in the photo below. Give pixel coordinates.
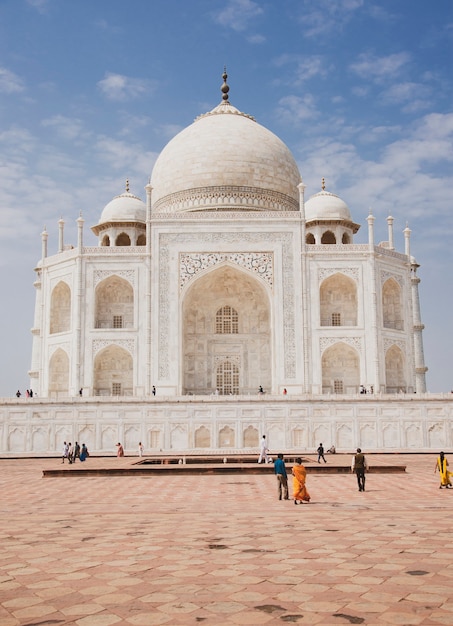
(403, 423)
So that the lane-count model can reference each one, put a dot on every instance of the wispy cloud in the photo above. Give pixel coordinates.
(295, 109)
(324, 16)
(238, 14)
(40, 5)
(380, 68)
(120, 87)
(305, 68)
(66, 127)
(10, 82)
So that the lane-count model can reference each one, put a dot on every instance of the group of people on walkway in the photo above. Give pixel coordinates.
(73, 452)
(300, 492)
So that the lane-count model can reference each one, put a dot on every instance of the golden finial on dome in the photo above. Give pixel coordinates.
(127, 185)
(323, 184)
(224, 88)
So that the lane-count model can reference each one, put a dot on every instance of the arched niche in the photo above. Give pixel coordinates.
(392, 308)
(60, 309)
(346, 238)
(338, 301)
(113, 372)
(395, 380)
(202, 438)
(114, 306)
(123, 239)
(105, 241)
(340, 369)
(251, 437)
(141, 240)
(226, 437)
(328, 237)
(59, 374)
(246, 349)
(310, 239)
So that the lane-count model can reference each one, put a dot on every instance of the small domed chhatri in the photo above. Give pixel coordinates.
(225, 160)
(226, 283)
(328, 218)
(124, 208)
(123, 221)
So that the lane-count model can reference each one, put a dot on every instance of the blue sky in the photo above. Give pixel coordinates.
(91, 91)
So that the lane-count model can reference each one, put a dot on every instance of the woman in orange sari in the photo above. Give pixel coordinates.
(300, 490)
(442, 465)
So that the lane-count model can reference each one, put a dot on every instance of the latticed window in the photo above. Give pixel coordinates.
(227, 379)
(117, 321)
(116, 389)
(226, 321)
(336, 319)
(338, 386)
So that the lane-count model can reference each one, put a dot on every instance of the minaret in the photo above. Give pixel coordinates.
(60, 234)
(78, 310)
(390, 231)
(419, 357)
(374, 299)
(44, 238)
(149, 281)
(305, 342)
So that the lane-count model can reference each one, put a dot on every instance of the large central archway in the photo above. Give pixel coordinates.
(226, 334)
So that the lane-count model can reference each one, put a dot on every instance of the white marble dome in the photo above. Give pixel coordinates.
(225, 160)
(124, 208)
(326, 206)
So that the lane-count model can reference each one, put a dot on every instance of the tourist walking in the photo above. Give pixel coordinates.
(120, 450)
(83, 452)
(282, 477)
(359, 466)
(65, 451)
(320, 452)
(76, 451)
(299, 489)
(444, 474)
(263, 450)
(70, 452)
(140, 448)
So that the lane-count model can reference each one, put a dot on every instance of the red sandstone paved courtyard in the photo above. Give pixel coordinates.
(220, 550)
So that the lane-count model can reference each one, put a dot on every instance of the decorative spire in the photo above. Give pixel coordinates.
(323, 184)
(224, 88)
(127, 185)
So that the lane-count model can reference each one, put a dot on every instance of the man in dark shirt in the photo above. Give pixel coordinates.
(359, 466)
(282, 478)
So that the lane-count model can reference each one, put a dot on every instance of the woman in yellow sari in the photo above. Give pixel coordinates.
(300, 490)
(441, 465)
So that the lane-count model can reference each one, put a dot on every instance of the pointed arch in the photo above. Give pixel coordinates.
(328, 237)
(395, 380)
(141, 240)
(338, 301)
(310, 239)
(60, 309)
(226, 333)
(227, 437)
(114, 303)
(113, 372)
(251, 437)
(340, 369)
(105, 241)
(123, 239)
(392, 308)
(202, 437)
(59, 374)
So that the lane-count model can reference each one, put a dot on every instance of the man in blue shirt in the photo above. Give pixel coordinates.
(280, 471)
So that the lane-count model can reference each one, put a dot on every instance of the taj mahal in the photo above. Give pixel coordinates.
(223, 306)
